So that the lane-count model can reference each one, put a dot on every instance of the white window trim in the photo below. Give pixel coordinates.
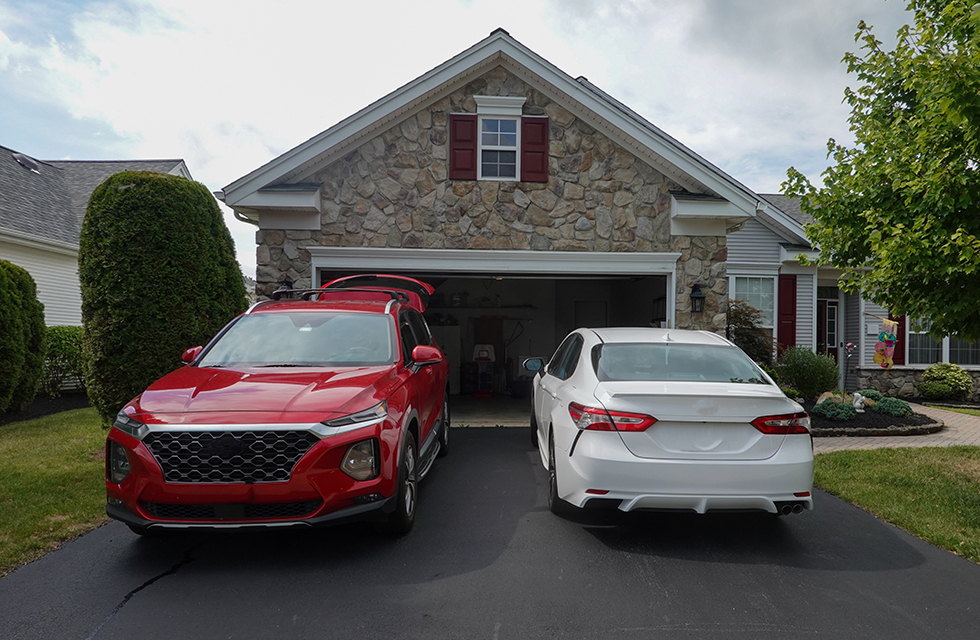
(498, 108)
(775, 294)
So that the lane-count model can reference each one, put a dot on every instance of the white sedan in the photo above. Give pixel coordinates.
(667, 419)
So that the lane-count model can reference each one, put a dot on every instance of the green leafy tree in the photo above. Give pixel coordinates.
(899, 213)
(158, 275)
(21, 338)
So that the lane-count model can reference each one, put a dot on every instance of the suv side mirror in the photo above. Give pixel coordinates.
(534, 365)
(424, 354)
(191, 354)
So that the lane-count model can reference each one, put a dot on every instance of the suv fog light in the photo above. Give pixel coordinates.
(118, 462)
(360, 461)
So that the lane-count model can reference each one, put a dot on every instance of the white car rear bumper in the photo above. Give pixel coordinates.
(600, 462)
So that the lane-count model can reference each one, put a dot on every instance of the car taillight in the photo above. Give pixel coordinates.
(594, 419)
(788, 424)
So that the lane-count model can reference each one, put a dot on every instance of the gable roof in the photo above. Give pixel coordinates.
(83, 176)
(579, 96)
(35, 203)
(48, 203)
(789, 206)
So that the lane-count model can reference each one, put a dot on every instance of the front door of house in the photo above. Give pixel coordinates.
(828, 328)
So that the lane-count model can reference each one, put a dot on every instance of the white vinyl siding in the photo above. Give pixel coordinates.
(56, 276)
(754, 243)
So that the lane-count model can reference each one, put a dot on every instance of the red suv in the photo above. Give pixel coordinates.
(314, 407)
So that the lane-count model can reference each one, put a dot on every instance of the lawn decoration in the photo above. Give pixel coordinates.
(885, 347)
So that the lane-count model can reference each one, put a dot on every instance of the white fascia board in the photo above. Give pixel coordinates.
(787, 255)
(292, 200)
(493, 262)
(495, 48)
(37, 242)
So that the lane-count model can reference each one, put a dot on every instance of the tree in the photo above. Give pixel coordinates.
(745, 329)
(21, 338)
(158, 275)
(899, 213)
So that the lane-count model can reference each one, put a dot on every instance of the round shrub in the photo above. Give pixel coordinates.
(893, 407)
(809, 373)
(833, 410)
(871, 394)
(158, 275)
(935, 390)
(21, 338)
(63, 365)
(792, 394)
(953, 375)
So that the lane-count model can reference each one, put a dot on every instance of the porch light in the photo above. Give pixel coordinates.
(697, 299)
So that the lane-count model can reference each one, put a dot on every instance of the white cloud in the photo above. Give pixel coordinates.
(751, 85)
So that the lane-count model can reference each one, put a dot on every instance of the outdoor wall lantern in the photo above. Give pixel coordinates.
(697, 299)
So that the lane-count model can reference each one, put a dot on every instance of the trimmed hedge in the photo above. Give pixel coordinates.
(21, 338)
(809, 373)
(158, 275)
(63, 365)
(952, 375)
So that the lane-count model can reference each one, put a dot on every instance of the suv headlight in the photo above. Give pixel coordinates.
(129, 426)
(358, 420)
(361, 460)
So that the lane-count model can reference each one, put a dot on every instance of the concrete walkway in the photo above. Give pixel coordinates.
(961, 429)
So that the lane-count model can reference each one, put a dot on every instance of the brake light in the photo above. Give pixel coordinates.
(593, 419)
(787, 424)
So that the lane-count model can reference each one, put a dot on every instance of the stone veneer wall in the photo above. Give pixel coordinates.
(901, 382)
(394, 191)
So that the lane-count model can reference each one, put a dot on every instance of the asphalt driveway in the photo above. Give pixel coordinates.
(488, 560)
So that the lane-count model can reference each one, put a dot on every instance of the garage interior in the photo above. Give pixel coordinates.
(488, 324)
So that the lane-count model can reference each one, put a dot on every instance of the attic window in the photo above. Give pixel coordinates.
(28, 163)
(498, 142)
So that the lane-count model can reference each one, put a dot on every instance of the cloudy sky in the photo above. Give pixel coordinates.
(753, 86)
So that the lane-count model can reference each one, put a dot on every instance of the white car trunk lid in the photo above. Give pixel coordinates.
(698, 420)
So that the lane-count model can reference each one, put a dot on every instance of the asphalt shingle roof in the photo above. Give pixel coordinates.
(789, 206)
(51, 202)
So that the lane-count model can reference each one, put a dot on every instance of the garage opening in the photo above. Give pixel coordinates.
(488, 325)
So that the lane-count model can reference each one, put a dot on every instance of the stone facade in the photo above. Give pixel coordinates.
(394, 191)
(900, 382)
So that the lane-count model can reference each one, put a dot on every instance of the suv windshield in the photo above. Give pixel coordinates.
(304, 339)
(682, 362)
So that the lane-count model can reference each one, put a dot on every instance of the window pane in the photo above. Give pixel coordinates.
(490, 139)
(924, 349)
(491, 125)
(963, 352)
(757, 293)
(508, 140)
(507, 126)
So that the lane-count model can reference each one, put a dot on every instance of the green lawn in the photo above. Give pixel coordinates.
(52, 485)
(933, 493)
(969, 412)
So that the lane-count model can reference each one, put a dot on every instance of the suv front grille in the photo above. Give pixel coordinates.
(250, 511)
(228, 456)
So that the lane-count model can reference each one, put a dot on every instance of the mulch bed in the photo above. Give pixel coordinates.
(43, 406)
(872, 423)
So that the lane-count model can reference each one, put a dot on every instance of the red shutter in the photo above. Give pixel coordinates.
(462, 147)
(901, 340)
(786, 315)
(534, 149)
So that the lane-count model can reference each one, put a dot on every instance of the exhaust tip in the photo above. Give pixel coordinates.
(798, 508)
(786, 510)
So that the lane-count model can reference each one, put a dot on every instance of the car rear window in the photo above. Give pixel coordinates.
(678, 362)
(304, 339)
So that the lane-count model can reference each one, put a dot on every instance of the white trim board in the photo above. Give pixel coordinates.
(492, 262)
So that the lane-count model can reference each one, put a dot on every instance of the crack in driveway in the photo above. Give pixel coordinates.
(188, 558)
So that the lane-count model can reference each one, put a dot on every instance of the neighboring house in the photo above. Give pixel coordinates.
(42, 205)
(804, 307)
(536, 203)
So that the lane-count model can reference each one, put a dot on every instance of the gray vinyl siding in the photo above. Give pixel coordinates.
(806, 292)
(853, 327)
(754, 243)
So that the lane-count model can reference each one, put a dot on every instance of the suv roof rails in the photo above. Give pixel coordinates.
(307, 294)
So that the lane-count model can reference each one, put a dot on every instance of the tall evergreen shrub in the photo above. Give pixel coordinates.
(21, 338)
(158, 274)
(745, 329)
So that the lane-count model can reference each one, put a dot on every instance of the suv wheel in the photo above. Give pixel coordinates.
(400, 521)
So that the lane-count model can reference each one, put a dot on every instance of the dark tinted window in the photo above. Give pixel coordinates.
(681, 362)
(563, 363)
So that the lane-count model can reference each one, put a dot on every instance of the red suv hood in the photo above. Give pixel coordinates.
(229, 396)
